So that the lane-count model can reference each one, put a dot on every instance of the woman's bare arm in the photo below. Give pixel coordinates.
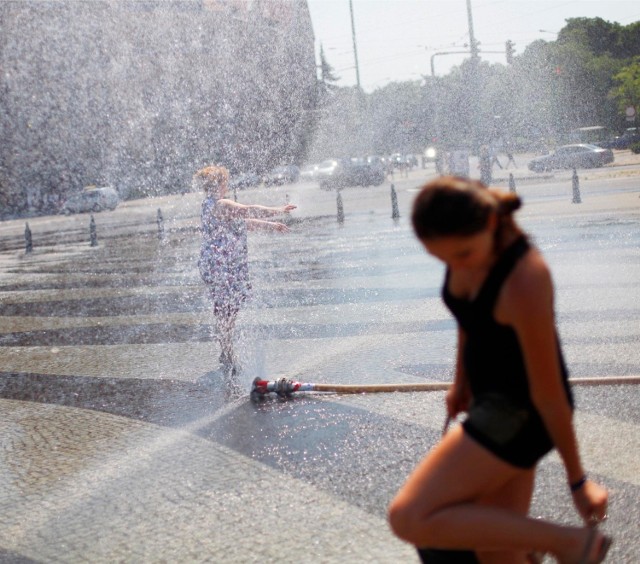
(459, 394)
(528, 304)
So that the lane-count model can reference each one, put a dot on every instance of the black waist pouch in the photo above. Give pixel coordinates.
(497, 418)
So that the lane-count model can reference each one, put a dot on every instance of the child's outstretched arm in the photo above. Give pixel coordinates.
(262, 225)
(230, 208)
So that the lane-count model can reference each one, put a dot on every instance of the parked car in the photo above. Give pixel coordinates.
(282, 175)
(630, 137)
(308, 172)
(363, 172)
(331, 173)
(382, 162)
(339, 173)
(244, 180)
(91, 200)
(581, 155)
(403, 162)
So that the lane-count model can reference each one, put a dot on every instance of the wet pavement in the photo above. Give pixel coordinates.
(120, 444)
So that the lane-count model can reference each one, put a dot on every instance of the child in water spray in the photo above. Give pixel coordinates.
(223, 261)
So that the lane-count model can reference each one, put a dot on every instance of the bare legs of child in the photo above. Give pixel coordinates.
(225, 325)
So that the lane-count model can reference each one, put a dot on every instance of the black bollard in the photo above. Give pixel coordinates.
(576, 188)
(28, 239)
(340, 207)
(160, 222)
(512, 183)
(93, 235)
(395, 213)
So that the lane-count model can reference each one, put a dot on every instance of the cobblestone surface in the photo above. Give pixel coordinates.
(119, 444)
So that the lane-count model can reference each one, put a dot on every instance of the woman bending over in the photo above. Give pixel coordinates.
(473, 490)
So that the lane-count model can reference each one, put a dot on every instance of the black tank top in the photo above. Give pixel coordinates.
(493, 360)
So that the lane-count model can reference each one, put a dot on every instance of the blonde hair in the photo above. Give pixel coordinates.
(210, 179)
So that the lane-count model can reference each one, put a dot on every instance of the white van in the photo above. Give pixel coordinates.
(91, 199)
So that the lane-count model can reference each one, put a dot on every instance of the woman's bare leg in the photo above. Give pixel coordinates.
(441, 506)
(515, 495)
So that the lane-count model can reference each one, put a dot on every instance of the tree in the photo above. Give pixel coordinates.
(327, 84)
(598, 36)
(397, 117)
(627, 90)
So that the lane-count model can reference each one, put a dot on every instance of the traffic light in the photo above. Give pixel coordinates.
(509, 48)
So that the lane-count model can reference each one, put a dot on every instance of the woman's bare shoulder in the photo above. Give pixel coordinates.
(531, 269)
(529, 288)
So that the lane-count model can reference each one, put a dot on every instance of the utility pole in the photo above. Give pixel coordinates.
(473, 44)
(509, 49)
(355, 48)
(473, 81)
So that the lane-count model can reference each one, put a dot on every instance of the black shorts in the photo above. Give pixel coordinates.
(513, 433)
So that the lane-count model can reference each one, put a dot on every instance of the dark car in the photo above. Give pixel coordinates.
(580, 155)
(282, 175)
(365, 172)
(331, 173)
(631, 136)
(403, 161)
(339, 173)
(244, 180)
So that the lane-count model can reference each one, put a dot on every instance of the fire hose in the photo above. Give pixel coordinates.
(285, 387)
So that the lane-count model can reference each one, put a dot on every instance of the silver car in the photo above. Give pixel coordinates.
(580, 155)
(91, 200)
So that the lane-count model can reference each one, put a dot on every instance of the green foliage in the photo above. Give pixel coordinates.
(596, 35)
(328, 79)
(635, 148)
(627, 90)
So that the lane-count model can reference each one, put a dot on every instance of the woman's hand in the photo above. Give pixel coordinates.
(288, 208)
(591, 501)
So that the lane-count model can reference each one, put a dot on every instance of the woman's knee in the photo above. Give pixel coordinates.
(399, 519)
(406, 520)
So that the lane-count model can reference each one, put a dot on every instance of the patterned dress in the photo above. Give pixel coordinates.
(223, 262)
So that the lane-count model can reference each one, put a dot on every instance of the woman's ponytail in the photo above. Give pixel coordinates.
(507, 202)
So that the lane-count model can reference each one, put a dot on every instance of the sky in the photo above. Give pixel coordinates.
(397, 40)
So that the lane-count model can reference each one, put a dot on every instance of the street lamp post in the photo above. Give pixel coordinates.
(433, 71)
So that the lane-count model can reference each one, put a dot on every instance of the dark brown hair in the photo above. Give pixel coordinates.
(454, 206)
